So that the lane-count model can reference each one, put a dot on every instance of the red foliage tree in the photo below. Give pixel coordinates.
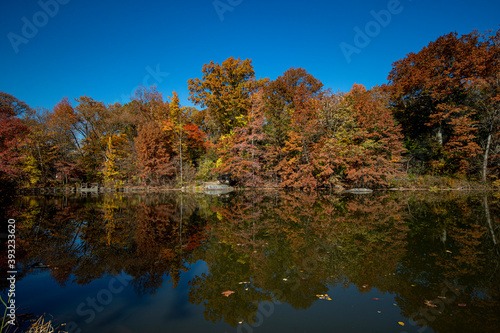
(13, 133)
(195, 142)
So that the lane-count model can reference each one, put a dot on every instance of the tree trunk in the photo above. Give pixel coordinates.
(180, 149)
(488, 219)
(485, 159)
(439, 134)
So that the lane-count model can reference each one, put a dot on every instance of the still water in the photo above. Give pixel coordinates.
(259, 262)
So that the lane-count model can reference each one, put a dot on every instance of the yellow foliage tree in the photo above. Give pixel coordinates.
(113, 175)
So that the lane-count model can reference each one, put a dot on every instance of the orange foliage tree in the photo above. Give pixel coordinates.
(155, 151)
(296, 169)
(366, 150)
(241, 152)
(435, 91)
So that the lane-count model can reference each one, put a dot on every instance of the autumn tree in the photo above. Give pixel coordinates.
(63, 127)
(334, 113)
(376, 142)
(64, 124)
(483, 93)
(241, 152)
(156, 151)
(13, 133)
(487, 102)
(41, 152)
(225, 91)
(365, 151)
(115, 155)
(431, 92)
(335, 125)
(96, 122)
(195, 143)
(281, 96)
(290, 117)
(148, 105)
(177, 117)
(296, 168)
(93, 120)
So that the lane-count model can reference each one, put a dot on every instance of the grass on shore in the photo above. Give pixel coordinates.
(430, 182)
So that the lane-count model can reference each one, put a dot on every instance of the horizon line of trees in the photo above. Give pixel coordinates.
(439, 114)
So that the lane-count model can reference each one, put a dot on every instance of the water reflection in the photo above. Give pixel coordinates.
(437, 254)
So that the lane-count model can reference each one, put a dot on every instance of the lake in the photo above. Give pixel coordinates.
(259, 262)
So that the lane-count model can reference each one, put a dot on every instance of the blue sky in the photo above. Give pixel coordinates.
(50, 49)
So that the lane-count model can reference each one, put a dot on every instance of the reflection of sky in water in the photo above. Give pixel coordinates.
(169, 310)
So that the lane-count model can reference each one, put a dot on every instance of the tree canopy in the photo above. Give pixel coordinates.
(438, 114)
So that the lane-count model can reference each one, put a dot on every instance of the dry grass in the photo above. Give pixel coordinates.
(427, 182)
(40, 326)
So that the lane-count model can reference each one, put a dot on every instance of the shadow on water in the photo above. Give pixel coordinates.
(433, 257)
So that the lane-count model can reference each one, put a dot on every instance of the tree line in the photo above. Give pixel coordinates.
(438, 114)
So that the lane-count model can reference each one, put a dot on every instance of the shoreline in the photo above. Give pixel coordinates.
(202, 190)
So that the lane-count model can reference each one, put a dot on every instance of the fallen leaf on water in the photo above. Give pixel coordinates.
(429, 303)
(375, 298)
(325, 296)
(462, 304)
(394, 304)
(401, 323)
(413, 285)
(379, 311)
(227, 293)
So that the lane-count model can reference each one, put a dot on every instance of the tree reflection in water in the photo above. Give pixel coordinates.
(434, 252)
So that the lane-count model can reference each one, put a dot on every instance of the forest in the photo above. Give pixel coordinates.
(438, 114)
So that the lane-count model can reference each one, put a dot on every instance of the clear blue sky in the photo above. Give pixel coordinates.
(105, 49)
